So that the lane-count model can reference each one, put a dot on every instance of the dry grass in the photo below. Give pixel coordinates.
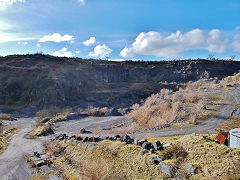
(113, 160)
(52, 112)
(5, 116)
(3, 138)
(41, 130)
(97, 111)
(231, 123)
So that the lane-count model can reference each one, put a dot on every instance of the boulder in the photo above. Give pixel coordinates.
(130, 141)
(155, 160)
(147, 145)
(61, 137)
(86, 139)
(157, 145)
(44, 120)
(1, 123)
(136, 141)
(118, 137)
(72, 137)
(126, 138)
(143, 152)
(79, 138)
(83, 131)
(190, 168)
(96, 139)
(166, 169)
(140, 142)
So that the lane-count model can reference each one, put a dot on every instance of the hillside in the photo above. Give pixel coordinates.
(40, 80)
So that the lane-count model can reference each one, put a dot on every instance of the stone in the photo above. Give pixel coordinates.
(136, 141)
(79, 138)
(166, 169)
(190, 168)
(44, 120)
(118, 137)
(124, 143)
(83, 131)
(147, 145)
(61, 137)
(86, 139)
(72, 137)
(36, 154)
(96, 139)
(130, 141)
(157, 146)
(126, 138)
(1, 123)
(155, 160)
(113, 112)
(143, 152)
(140, 142)
(166, 145)
(111, 138)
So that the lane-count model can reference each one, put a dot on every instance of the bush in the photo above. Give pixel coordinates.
(174, 152)
(97, 111)
(5, 116)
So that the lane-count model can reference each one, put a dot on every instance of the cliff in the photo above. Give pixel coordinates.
(41, 80)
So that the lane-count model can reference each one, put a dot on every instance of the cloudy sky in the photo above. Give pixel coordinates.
(121, 29)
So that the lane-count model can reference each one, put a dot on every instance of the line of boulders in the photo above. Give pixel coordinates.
(147, 146)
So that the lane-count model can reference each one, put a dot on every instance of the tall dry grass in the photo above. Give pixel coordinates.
(167, 106)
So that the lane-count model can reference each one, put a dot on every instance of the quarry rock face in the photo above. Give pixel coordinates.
(41, 80)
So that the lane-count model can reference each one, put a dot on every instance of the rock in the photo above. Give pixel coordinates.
(166, 145)
(124, 143)
(136, 141)
(190, 168)
(107, 138)
(79, 138)
(61, 137)
(72, 137)
(126, 138)
(166, 169)
(83, 131)
(140, 142)
(147, 145)
(1, 123)
(86, 139)
(143, 152)
(96, 139)
(44, 120)
(111, 138)
(155, 160)
(36, 154)
(130, 141)
(157, 146)
(118, 137)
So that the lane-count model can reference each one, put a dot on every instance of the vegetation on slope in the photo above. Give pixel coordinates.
(3, 138)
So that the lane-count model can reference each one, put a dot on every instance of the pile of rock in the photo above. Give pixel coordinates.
(38, 160)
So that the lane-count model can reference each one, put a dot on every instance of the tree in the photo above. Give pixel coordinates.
(211, 57)
(232, 57)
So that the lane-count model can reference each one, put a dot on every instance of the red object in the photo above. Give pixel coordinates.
(223, 138)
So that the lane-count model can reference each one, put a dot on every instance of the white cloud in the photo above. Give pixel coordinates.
(236, 43)
(38, 45)
(214, 44)
(81, 2)
(63, 53)
(10, 2)
(172, 46)
(77, 52)
(117, 60)
(5, 37)
(101, 51)
(90, 41)
(56, 37)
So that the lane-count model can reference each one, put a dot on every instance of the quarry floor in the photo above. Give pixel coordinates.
(13, 165)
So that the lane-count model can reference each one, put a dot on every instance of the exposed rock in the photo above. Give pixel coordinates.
(155, 160)
(166, 169)
(143, 152)
(136, 141)
(147, 145)
(130, 141)
(118, 137)
(157, 146)
(86, 139)
(44, 120)
(126, 138)
(190, 168)
(72, 137)
(1, 123)
(79, 138)
(61, 137)
(83, 131)
(140, 142)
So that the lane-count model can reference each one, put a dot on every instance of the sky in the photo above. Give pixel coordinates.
(121, 29)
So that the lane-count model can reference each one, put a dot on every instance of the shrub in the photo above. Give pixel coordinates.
(97, 111)
(5, 116)
(174, 152)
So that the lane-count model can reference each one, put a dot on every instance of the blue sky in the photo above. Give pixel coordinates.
(121, 29)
